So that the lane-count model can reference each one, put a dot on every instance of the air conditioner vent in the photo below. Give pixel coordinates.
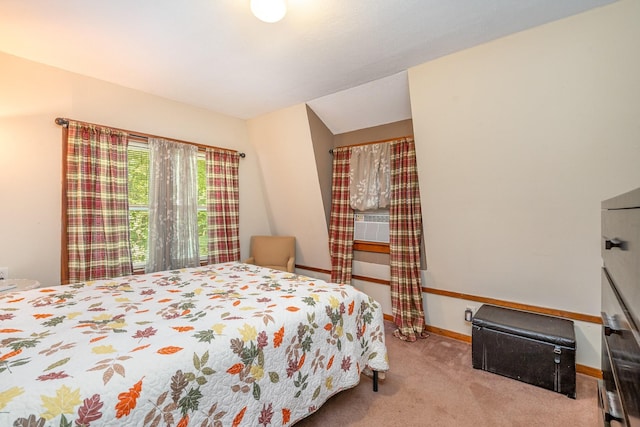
(371, 227)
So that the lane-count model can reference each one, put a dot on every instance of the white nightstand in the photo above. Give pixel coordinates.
(12, 285)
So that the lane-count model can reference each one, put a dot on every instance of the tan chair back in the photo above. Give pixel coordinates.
(277, 252)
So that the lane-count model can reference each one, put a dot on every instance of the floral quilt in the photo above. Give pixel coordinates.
(222, 345)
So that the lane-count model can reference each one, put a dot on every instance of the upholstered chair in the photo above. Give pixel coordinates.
(277, 252)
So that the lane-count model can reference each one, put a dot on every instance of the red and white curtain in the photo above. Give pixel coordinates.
(223, 205)
(405, 234)
(341, 222)
(97, 213)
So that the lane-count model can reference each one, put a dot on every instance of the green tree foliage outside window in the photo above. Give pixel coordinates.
(138, 164)
(202, 207)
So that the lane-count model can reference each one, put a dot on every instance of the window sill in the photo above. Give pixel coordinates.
(361, 245)
(139, 269)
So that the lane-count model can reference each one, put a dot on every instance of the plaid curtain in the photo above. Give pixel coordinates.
(97, 221)
(405, 233)
(223, 205)
(341, 223)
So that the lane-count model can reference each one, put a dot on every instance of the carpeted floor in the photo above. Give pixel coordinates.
(432, 383)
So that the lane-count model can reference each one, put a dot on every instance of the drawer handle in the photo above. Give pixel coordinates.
(610, 403)
(613, 243)
(610, 324)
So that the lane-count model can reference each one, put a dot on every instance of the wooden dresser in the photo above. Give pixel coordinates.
(619, 390)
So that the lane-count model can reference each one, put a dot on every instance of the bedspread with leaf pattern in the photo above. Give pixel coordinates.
(222, 345)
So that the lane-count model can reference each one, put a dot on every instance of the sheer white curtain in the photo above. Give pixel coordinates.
(369, 177)
(173, 206)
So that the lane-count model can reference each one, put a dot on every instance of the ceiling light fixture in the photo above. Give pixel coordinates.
(269, 10)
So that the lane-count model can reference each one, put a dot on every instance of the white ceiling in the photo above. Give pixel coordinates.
(214, 54)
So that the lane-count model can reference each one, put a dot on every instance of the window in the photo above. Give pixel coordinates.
(369, 194)
(138, 170)
(202, 206)
(138, 165)
(105, 169)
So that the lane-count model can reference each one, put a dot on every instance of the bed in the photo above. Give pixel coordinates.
(228, 344)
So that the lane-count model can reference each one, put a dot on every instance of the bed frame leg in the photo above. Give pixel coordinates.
(375, 381)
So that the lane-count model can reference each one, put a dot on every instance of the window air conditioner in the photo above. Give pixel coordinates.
(371, 227)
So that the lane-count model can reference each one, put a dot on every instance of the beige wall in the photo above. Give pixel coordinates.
(322, 140)
(375, 133)
(282, 141)
(33, 95)
(518, 141)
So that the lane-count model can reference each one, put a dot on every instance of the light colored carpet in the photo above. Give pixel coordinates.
(431, 383)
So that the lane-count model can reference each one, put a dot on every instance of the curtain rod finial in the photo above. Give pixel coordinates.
(62, 122)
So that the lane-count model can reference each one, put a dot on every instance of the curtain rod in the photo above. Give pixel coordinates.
(65, 122)
(373, 142)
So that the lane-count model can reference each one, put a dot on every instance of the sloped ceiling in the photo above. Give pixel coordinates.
(214, 54)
